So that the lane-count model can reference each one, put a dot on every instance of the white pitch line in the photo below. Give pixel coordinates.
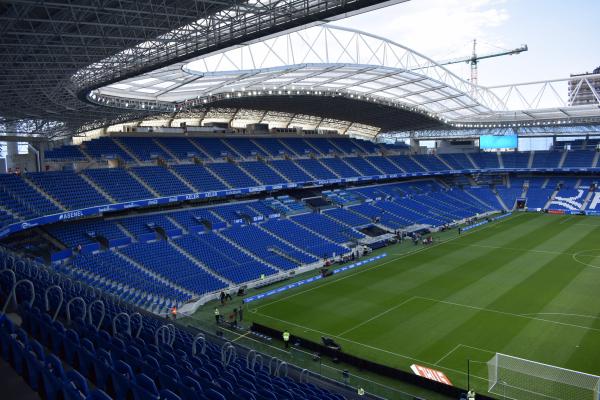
(566, 219)
(241, 336)
(447, 354)
(376, 316)
(373, 347)
(580, 253)
(515, 249)
(478, 348)
(508, 313)
(566, 314)
(363, 270)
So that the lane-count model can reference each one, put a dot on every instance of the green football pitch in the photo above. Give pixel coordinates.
(527, 286)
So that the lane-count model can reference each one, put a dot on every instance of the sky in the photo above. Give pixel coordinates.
(563, 35)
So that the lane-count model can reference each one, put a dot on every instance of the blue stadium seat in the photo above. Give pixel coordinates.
(105, 148)
(363, 166)
(262, 172)
(199, 177)
(340, 167)
(80, 194)
(143, 148)
(233, 175)
(315, 168)
(161, 180)
(118, 183)
(406, 163)
(65, 153)
(291, 171)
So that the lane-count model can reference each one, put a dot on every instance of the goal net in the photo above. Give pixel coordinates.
(521, 379)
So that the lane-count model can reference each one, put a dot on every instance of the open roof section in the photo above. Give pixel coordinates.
(52, 52)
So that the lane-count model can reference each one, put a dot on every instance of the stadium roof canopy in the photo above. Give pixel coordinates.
(324, 61)
(52, 53)
(71, 67)
(349, 75)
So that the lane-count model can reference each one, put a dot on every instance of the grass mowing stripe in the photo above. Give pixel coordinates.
(565, 314)
(513, 272)
(367, 269)
(376, 316)
(338, 336)
(511, 289)
(528, 316)
(515, 249)
(410, 358)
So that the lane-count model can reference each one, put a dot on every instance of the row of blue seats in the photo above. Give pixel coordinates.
(146, 182)
(182, 148)
(164, 259)
(96, 342)
(223, 258)
(123, 279)
(278, 243)
(89, 231)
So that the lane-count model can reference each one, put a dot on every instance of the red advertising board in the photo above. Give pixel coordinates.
(432, 374)
(556, 211)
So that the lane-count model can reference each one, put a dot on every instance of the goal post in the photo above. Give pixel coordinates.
(521, 379)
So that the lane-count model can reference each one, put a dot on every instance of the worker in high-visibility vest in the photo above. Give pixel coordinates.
(217, 315)
(286, 338)
(174, 312)
(361, 391)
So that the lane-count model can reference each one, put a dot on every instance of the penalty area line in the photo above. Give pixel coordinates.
(403, 356)
(458, 346)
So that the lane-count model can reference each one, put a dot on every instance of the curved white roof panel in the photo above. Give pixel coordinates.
(319, 60)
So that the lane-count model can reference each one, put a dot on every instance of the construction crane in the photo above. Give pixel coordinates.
(474, 59)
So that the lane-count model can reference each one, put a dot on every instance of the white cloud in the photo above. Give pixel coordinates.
(437, 28)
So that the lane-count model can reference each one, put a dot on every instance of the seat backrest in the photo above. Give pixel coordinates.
(36, 348)
(6, 324)
(98, 394)
(166, 394)
(88, 345)
(246, 394)
(214, 395)
(145, 383)
(124, 369)
(72, 337)
(104, 356)
(170, 372)
(77, 382)
(54, 366)
(151, 361)
(192, 383)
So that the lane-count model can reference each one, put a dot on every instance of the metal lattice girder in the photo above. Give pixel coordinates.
(323, 58)
(326, 59)
(53, 52)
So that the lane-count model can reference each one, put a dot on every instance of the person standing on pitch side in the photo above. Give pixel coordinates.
(286, 339)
